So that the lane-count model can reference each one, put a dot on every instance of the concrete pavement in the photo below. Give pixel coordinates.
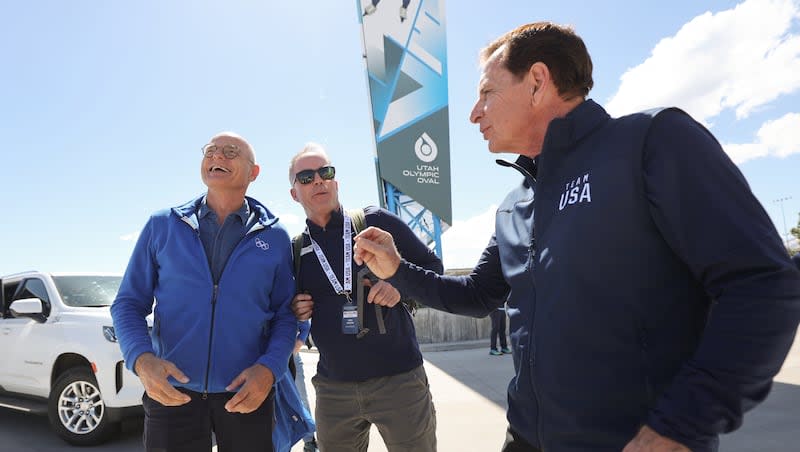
(469, 392)
(468, 389)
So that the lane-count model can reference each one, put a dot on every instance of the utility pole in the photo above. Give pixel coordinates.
(783, 214)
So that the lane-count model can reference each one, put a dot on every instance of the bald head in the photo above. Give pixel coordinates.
(227, 137)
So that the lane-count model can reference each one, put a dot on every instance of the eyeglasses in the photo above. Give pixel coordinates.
(230, 151)
(305, 177)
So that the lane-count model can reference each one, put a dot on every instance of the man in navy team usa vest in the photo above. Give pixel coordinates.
(650, 299)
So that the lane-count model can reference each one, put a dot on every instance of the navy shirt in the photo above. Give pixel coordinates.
(344, 357)
(219, 241)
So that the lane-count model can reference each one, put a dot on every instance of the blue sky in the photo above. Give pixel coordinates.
(106, 105)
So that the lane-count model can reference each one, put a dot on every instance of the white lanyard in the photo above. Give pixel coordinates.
(347, 240)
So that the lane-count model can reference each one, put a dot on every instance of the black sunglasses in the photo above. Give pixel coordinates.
(307, 176)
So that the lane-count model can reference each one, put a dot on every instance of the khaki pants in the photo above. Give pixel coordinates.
(400, 406)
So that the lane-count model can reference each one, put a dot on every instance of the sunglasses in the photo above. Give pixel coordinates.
(305, 177)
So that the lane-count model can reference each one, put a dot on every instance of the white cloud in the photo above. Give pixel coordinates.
(290, 219)
(293, 223)
(130, 237)
(782, 136)
(464, 241)
(779, 137)
(740, 59)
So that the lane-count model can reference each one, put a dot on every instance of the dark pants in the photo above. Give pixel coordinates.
(515, 443)
(498, 317)
(187, 428)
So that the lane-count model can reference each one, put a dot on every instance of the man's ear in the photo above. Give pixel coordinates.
(254, 172)
(538, 76)
(293, 192)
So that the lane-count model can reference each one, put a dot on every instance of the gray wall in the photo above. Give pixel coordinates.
(436, 326)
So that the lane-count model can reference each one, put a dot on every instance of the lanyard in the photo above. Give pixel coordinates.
(347, 241)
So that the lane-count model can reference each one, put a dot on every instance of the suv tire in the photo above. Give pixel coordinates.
(77, 411)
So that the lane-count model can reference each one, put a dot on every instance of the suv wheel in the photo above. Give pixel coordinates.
(76, 409)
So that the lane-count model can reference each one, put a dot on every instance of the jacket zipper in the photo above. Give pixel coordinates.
(534, 182)
(210, 339)
(258, 226)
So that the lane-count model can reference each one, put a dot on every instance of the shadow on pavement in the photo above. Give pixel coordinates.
(485, 374)
(22, 432)
(772, 426)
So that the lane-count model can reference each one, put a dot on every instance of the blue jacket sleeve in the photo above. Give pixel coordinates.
(476, 294)
(134, 301)
(283, 326)
(705, 211)
(303, 328)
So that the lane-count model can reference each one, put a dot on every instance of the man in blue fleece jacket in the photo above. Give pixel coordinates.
(651, 301)
(219, 271)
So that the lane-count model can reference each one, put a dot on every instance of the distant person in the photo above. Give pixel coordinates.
(651, 301)
(370, 367)
(218, 271)
(498, 318)
(310, 441)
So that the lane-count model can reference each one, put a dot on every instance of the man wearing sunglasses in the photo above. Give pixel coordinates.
(219, 269)
(370, 371)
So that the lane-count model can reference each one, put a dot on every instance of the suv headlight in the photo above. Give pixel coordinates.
(109, 334)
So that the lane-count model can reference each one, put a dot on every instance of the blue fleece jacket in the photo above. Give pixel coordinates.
(649, 288)
(211, 332)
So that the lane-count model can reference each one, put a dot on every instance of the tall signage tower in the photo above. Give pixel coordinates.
(406, 59)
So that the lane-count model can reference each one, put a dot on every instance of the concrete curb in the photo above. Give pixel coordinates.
(436, 347)
(447, 346)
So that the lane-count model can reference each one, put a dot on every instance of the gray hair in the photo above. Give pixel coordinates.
(309, 148)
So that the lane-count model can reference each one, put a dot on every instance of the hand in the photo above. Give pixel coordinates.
(647, 440)
(297, 344)
(256, 382)
(303, 306)
(375, 247)
(153, 372)
(382, 293)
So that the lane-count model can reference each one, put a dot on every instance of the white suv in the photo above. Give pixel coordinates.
(60, 354)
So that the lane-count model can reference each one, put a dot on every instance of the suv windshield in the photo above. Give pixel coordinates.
(87, 291)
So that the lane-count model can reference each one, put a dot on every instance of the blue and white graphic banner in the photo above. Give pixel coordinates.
(406, 58)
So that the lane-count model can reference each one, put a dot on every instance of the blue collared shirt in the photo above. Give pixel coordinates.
(220, 241)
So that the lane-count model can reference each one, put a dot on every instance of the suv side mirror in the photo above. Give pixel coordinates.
(27, 307)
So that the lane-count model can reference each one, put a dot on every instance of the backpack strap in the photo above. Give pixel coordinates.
(297, 247)
(366, 273)
(358, 220)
